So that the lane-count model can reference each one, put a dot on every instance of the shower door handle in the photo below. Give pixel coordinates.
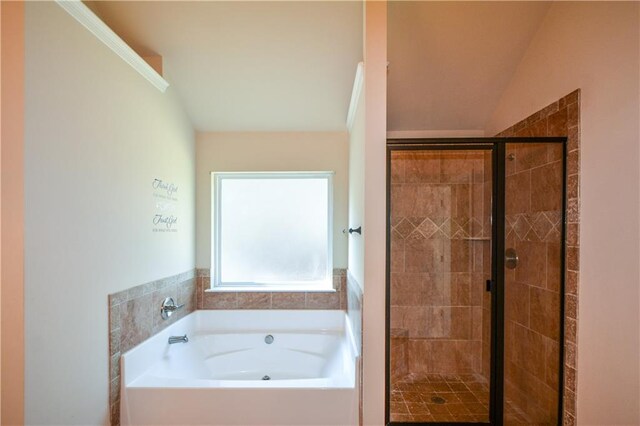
(511, 258)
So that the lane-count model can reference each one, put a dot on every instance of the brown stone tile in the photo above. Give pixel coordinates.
(114, 341)
(517, 303)
(552, 363)
(114, 317)
(114, 389)
(545, 312)
(572, 97)
(554, 269)
(570, 378)
(568, 419)
(397, 252)
(531, 267)
(468, 397)
(294, 300)
(396, 417)
(424, 256)
(458, 408)
(573, 163)
(417, 408)
(462, 203)
(573, 140)
(459, 286)
(456, 168)
(531, 155)
(398, 408)
(115, 413)
(549, 109)
(438, 410)
(477, 408)
(458, 257)
(460, 322)
(422, 167)
(518, 190)
(571, 285)
(546, 187)
(573, 114)
(554, 152)
(573, 258)
(573, 234)
(136, 321)
(570, 355)
(251, 300)
(220, 300)
(476, 323)
(571, 306)
(114, 365)
(397, 167)
(467, 356)
(570, 403)
(323, 300)
(573, 210)
(557, 123)
(571, 331)
(432, 286)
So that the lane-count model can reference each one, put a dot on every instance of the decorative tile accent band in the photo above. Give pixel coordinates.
(134, 316)
(272, 300)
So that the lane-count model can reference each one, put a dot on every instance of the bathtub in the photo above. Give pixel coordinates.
(227, 374)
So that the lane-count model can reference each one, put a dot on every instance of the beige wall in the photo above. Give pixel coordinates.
(96, 135)
(356, 192)
(594, 46)
(274, 151)
(374, 226)
(12, 213)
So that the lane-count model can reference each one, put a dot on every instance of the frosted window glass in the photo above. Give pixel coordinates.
(273, 230)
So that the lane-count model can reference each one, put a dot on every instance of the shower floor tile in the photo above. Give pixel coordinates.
(445, 398)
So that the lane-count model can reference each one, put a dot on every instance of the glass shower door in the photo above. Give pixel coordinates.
(533, 282)
(440, 261)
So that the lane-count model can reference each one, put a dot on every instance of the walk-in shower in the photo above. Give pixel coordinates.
(475, 280)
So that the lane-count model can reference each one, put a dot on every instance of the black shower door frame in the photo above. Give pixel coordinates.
(497, 146)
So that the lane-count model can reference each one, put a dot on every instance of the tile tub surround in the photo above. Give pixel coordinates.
(272, 299)
(134, 316)
(354, 313)
(560, 118)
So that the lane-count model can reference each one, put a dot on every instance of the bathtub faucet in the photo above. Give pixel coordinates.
(178, 339)
(168, 307)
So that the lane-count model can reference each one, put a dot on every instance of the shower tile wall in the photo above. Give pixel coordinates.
(439, 261)
(532, 335)
(532, 289)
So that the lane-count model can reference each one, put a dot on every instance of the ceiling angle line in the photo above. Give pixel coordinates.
(98, 28)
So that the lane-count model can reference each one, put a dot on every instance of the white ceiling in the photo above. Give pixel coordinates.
(250, 66)
(449, 62)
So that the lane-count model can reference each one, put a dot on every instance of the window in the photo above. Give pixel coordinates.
(272, 230)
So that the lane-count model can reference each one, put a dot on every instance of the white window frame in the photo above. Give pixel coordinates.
(216, 282)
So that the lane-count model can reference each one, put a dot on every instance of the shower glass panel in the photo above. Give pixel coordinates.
(439, 263)
(533, 282)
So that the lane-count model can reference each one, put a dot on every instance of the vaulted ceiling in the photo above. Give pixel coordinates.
(290, 65)
(250, 66)
(450, 62)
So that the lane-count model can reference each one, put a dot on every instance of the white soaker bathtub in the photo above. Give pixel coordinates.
(217, 377)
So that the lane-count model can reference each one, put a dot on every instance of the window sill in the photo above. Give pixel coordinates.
(270, 289)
